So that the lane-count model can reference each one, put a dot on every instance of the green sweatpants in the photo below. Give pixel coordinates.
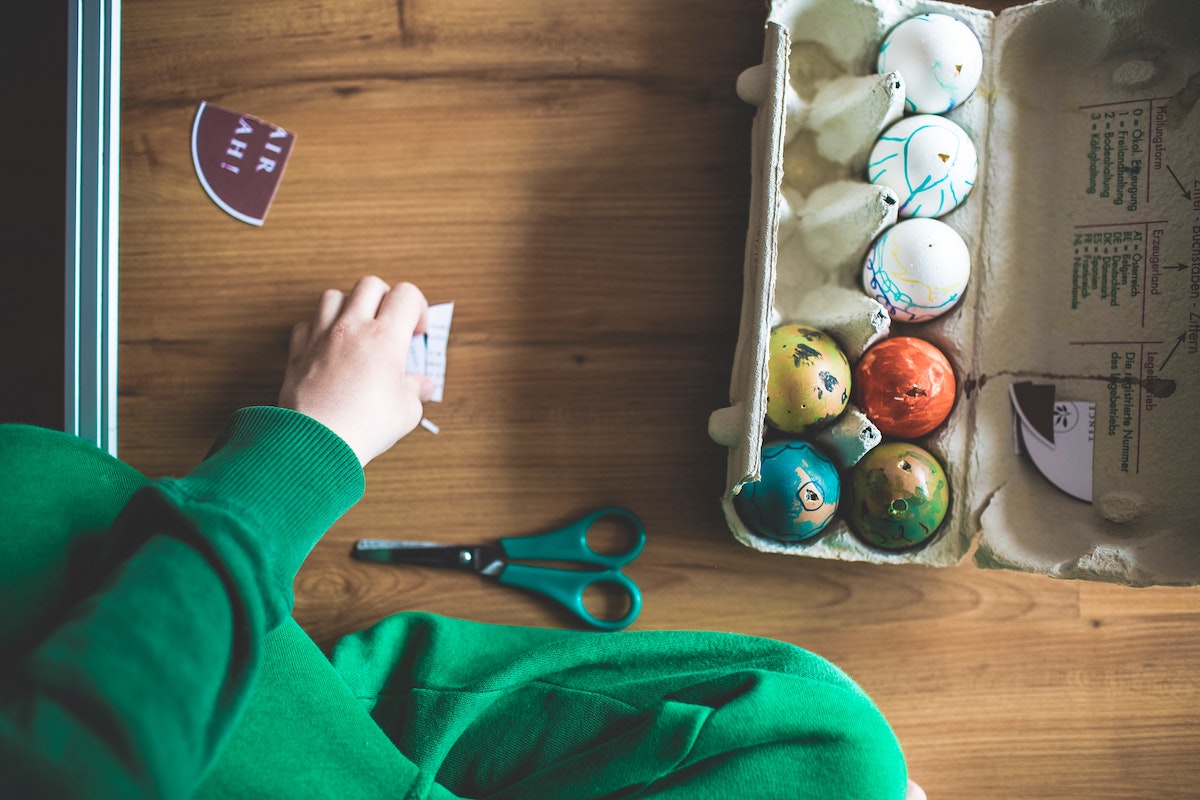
(421, 706)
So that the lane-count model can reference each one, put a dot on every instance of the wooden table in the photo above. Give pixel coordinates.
(575, 177)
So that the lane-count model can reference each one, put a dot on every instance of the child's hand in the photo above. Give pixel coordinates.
(346, 365)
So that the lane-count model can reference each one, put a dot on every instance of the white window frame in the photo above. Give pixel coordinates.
(93, 183)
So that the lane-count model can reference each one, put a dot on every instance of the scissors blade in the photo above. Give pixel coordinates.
(430, 554)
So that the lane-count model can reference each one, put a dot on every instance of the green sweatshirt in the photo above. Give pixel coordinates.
(148, 651)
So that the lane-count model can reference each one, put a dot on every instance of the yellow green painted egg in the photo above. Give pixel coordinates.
(899, 495)
(808, 379)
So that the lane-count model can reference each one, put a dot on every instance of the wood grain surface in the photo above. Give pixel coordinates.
(575, 176)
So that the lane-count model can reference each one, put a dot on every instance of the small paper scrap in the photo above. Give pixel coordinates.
(239, 160)
(427, 354)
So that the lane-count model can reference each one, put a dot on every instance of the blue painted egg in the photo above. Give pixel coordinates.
(796, 496)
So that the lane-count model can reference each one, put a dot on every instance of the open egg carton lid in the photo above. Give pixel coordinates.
(1073, 443)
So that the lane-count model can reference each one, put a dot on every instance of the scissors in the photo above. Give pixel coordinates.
(568, 544)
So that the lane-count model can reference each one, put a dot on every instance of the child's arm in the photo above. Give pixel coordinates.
(133, 693)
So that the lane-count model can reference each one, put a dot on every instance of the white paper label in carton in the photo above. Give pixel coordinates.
(1084, 231)
(1058, 436)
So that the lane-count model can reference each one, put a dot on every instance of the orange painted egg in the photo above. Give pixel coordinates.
(905, 386)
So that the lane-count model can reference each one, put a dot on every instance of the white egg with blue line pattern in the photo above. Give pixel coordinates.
(928, 161)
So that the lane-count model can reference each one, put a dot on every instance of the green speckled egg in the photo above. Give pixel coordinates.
(899, 495)
(808, 379)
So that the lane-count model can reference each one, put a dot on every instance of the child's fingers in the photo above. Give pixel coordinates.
(404, 309)
(300, 333)
(328, 308)
(364, 299)
(427, 389)
(422, 325)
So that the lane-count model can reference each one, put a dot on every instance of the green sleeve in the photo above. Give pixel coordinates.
(134, 691)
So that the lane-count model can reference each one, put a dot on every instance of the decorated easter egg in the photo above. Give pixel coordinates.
(905, 386)
(808, 378)
(897, 497)
(928, 161)
(938, 57)
(917, 269)
(796, 496)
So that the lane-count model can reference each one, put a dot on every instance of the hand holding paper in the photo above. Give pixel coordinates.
(347, 366)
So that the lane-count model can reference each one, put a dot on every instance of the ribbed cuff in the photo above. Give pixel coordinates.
(287, 474)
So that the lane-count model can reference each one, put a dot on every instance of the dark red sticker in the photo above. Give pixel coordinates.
(239, 160)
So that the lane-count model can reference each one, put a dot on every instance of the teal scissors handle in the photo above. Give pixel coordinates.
(570, 543)
(567, 586)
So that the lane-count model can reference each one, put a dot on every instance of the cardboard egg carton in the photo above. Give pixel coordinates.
(1075, 344)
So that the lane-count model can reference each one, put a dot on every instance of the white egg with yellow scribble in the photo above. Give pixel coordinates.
(917, 269)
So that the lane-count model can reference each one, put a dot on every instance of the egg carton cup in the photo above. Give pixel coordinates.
(1048, 68)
